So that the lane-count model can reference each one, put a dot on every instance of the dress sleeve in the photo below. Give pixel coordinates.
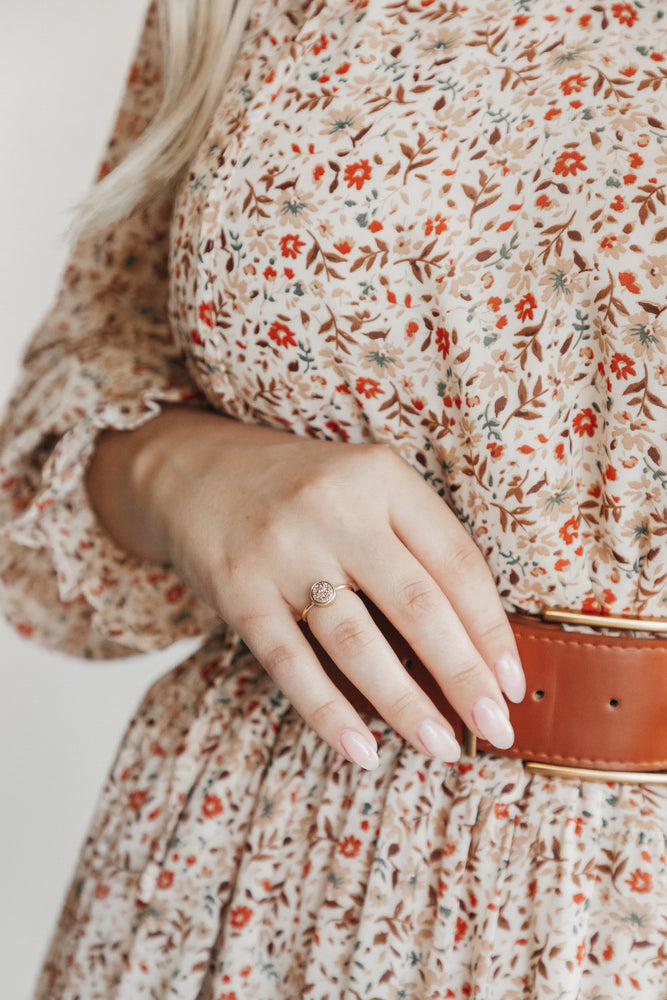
(104, 356)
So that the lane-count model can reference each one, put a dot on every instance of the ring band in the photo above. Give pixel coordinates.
(322, 594)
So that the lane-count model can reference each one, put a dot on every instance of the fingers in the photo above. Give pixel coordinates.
(417, 606)
(360, 650)
(458, 568)
(274, 638)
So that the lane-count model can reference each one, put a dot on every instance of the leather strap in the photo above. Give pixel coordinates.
(592, 700)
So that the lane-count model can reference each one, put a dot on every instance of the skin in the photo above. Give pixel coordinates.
(249, 517)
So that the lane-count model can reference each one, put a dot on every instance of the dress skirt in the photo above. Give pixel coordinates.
(235, 856)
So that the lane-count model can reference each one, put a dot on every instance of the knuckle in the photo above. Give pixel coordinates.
(352, 638)
(404, 704)
(250, 623)
(313, 490)
(496, 633)
(280, 662)
(417, 599)
(323, 717)
(466, 674)
(467, 559)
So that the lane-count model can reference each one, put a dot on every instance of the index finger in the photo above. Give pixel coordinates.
(438, 540)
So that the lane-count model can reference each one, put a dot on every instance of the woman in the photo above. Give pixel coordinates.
(433, 233)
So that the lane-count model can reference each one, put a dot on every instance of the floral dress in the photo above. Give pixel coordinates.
(434, 225)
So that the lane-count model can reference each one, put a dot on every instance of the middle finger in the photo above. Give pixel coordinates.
(347, 632)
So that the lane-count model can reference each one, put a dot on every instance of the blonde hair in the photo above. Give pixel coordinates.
(200, 39)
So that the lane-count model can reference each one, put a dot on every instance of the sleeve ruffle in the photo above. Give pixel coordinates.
(133, 604)
(104, 357)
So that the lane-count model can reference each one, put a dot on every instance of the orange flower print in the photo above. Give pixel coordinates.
(639, 881)
(343, 246)
(211, 806)
(101, 891)
(570, 530)
(368, 387)
(207, 313)
(356, 174)
(282, 334)
(442, 340)
(461, 928)
(628, 280)
(625, 13)
(585, 422)
(165, 880)
(349, 846)
(290, 245)
(525, 307)
(435, 225)
(240, 916)
(574, 84)
(569, 163)
(622, 366)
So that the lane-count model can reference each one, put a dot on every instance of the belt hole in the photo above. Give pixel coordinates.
(614, 702)
(538, 695)
(407, 664)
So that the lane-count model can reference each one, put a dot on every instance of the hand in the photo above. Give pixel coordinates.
(250, 517)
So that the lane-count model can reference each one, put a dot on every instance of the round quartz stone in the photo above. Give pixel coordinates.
(322, 592)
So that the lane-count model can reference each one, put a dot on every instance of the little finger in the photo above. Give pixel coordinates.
(280, 647)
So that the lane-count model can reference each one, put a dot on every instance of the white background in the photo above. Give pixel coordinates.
(62, 67)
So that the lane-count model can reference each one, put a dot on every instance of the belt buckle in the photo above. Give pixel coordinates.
(574, 773)
(568, 617)
(596, 774)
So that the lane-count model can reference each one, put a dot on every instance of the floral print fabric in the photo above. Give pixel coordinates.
(428, 224)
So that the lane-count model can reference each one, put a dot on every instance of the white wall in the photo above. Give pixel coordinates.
(62, 66)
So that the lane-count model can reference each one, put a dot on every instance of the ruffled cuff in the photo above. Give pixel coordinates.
(136, 604)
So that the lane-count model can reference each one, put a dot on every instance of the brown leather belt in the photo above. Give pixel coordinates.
(595, 707)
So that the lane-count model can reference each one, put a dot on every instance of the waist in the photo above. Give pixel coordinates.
(595, 705)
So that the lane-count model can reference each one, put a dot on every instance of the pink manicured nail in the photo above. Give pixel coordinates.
(510, 676)
(359, 749)
(492, 724)
(438, 741)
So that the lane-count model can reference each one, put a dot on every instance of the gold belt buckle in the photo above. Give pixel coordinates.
(565, 616)
(596, 774)
(575, 773)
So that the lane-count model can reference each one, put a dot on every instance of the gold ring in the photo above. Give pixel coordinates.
(322, 594)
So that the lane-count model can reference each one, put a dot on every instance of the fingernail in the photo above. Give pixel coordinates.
(492, 724)
(359, 749)
(438, 741)
(510, 676)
